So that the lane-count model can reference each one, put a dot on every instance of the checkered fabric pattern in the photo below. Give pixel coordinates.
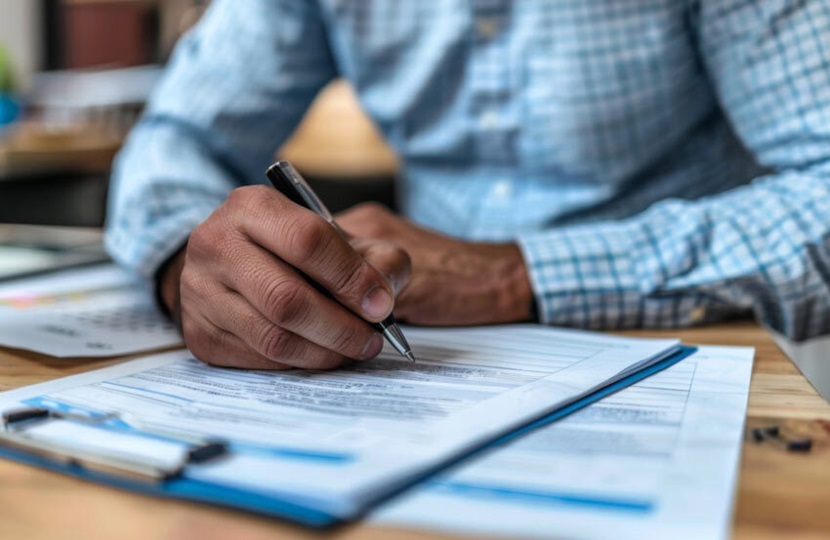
(660, 162)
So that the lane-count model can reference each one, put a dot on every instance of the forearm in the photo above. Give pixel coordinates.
(235, 89)
(163, 186)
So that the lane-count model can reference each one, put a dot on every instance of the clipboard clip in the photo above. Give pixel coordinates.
(86, 443)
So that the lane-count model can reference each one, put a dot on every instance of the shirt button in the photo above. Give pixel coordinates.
(487, 28)
(489, 120)
(502, 190)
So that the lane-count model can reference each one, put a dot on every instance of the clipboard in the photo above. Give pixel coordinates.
(32, 436)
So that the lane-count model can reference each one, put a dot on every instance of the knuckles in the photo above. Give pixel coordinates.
(276, 344)
(251, 200)
(307, 237)
(303, 234)
(205, 240)
(222, 234)
(353, 284)
(287, 301)
(345, 338)
(204, 345)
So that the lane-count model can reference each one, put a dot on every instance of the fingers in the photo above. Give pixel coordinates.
(307, 242)
(246, 298)
(389, 259)
(239, 336)
(219, 347)
(282, 300)
(369, 220)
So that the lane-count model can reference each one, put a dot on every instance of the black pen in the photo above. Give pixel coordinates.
(290, 183)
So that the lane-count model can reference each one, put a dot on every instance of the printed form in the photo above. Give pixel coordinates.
(89, 312)
(339, 441)
(655, 460)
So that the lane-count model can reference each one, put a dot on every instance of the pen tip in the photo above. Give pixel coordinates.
(410, 356)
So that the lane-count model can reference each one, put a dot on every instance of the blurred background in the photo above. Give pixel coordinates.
(74, 76)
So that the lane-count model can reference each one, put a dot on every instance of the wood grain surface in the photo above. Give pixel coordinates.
(779, 494)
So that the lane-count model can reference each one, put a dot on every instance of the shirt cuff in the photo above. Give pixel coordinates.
(586, 276)
(144, 249)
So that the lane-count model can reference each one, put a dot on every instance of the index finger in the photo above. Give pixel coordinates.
(310, 244)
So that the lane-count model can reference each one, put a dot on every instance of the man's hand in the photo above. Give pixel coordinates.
(452, 282)
(241, 294)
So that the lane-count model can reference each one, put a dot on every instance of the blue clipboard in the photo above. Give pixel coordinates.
(175, 485)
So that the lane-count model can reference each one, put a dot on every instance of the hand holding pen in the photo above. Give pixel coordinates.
(290, 183)
(247, 287)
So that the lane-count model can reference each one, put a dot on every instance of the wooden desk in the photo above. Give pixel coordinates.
(55, 178)
(779, 494)
(31, 150)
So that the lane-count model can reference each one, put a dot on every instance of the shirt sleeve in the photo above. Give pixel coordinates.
(236, 87)
(763, 248)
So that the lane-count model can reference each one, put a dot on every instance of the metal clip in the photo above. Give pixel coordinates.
(84, 442)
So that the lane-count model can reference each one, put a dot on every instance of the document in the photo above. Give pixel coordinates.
(89, 312)
(336, 442)
(26, 250)
(15, 260)
(656, 460)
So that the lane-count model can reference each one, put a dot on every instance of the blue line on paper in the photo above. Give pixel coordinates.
(640, 506)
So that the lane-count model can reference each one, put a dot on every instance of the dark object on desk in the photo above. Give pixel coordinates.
(773, 434)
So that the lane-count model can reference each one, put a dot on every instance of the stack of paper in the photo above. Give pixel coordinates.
(319, 447)
(27, 250)
(89, 312)
(656, 460)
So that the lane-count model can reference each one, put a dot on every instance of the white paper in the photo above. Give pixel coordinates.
(335, 441)
(89, 312)
(15, 259)
(656, 460)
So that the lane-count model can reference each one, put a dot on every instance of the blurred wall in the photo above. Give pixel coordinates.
(19, 34)
(109, 33)
(176, 17)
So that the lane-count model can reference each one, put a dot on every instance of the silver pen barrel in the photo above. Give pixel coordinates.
(393, 334)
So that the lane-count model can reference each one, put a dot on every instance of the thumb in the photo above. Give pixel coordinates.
(389, 259)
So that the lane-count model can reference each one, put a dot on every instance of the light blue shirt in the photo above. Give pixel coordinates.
(659, 162)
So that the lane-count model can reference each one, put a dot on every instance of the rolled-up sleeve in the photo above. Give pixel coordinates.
(236, 87)
(763, 248)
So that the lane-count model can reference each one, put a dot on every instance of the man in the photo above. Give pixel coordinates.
(594, 163)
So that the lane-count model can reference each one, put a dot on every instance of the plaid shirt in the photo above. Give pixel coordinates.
(660, 162)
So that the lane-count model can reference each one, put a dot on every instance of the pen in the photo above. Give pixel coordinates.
(290, 183)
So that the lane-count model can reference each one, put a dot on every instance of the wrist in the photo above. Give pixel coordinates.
(168, 279)
(516, 301)
(520, 299)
